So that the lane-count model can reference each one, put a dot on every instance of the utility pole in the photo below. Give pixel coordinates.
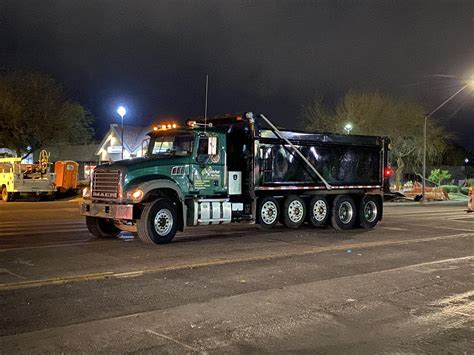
(423, 183)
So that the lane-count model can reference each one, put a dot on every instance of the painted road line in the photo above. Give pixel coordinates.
(454, 218)
(33, 227)
(86, 242)
(420, 210)
(394, 229)
(453, 228)
(217, 262)
(430, 212)
(49, 231)
(25, 210)
(426, 215)
(41, 222)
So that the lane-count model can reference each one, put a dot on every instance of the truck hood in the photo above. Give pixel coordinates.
(138, 170)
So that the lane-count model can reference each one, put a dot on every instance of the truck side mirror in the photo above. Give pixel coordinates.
(212, 146)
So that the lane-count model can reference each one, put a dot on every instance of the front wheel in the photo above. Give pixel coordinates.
(101, 227)
(7, 196)
(158, 223)
(369, 211)
(343, 214)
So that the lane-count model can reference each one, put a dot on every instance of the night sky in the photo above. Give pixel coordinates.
(263, 56)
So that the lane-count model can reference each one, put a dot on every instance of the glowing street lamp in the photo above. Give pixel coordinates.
(122, 111)
(468, 84)
(348, 128)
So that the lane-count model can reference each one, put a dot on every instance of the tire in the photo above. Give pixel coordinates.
(318, 211)
(7, 196)
(294, 211)
(101, 227)
(268, 212)
(158, 223)
(369, 211)
(343, 213)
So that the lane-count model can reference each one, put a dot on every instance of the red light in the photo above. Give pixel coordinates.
(387, 172)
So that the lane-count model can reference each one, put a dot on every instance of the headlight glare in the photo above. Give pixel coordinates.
(135, 195)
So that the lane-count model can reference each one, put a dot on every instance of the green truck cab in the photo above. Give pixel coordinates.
(181, 165)
(234, 169)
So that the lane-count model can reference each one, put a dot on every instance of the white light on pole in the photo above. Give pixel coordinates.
(348, 128)
(122, 111)
(470, 84)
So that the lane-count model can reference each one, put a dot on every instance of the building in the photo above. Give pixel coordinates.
(110, 149)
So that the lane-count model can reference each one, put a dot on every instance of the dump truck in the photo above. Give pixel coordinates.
(239, 168)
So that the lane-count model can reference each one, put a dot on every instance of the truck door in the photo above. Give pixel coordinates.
(209, 167)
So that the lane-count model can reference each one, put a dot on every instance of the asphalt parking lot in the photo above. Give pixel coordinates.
(405, 286)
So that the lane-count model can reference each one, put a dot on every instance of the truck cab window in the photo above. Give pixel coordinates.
(203, 145)
(172, 145)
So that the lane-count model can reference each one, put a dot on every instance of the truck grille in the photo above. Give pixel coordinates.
(106, 184)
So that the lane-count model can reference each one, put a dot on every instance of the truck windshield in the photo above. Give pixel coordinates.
(172, 145)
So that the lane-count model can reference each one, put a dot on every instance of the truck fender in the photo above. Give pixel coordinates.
(149, 186)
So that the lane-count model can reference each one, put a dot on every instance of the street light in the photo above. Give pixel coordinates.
(465, 166)
(122, 111)
(348, 128)
(470, 84)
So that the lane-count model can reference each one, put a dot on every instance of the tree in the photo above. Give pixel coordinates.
(34, 113)
(438, 176)
(377, 114)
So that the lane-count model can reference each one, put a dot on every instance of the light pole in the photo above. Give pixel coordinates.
(348, 128)
(122, 111)
(465, 166)
(423, 183)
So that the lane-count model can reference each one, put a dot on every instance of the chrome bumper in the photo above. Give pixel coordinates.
(104, 210)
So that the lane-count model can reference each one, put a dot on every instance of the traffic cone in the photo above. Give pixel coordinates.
(469, 200)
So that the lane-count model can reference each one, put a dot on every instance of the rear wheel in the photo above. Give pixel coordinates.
(158, 223)
(101, 227)
(343, 214)
(294, 211)
(318, 213)
(268, 212)
(369, 212)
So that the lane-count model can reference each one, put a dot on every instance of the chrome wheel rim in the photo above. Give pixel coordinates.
(295, 211)
(269, 212)
(345, 212)
(320, 210)
(370, 211)
(163, 222)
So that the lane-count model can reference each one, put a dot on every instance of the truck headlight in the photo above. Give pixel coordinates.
(86, 192)
(135, 195)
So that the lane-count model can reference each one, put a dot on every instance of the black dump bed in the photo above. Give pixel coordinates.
(343, 160)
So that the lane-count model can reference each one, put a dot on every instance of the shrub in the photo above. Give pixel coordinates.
(438, 176)
(464, 190)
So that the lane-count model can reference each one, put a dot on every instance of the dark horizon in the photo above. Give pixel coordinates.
(270, 57)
